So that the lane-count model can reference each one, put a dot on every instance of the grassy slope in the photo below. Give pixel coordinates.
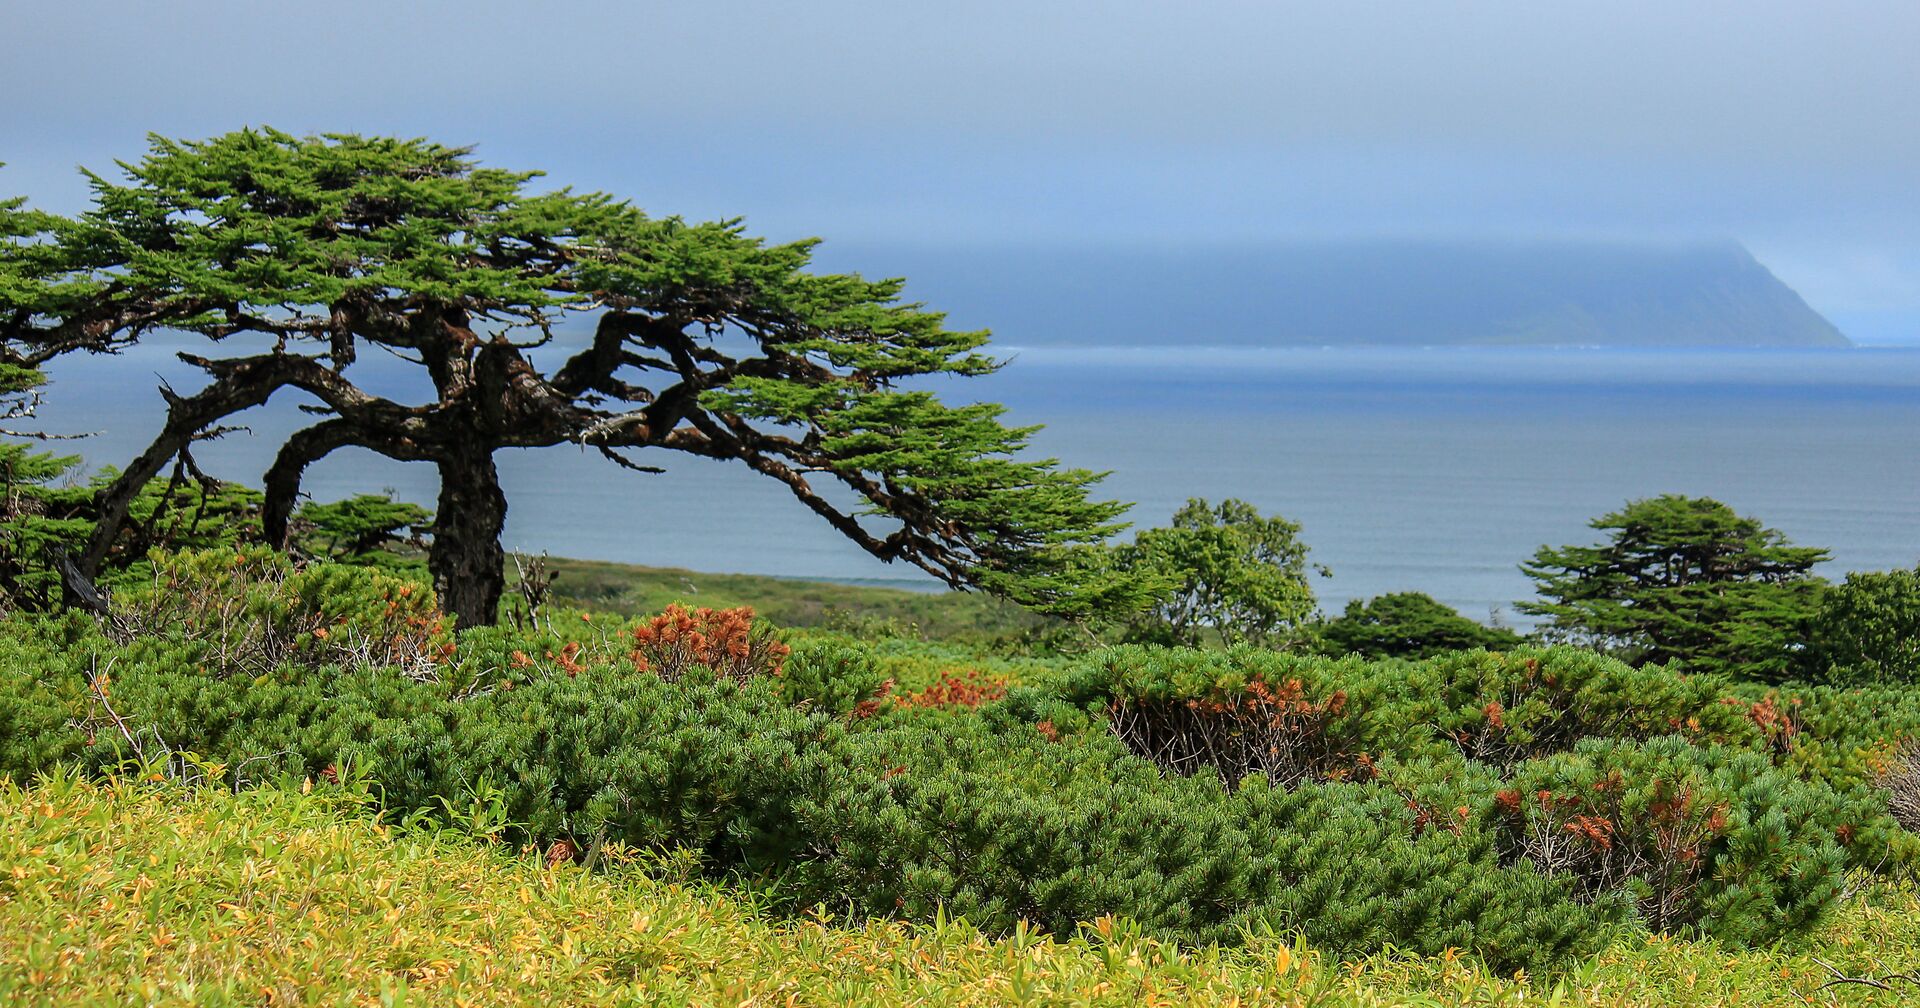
(117, 893)
(628, 589)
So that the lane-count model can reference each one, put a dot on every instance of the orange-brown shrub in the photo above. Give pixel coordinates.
(967, 688)
(724, 642)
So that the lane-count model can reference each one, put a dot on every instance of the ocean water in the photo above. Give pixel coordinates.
(1436, 470)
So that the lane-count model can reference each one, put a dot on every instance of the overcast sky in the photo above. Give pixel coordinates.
(1792, 127)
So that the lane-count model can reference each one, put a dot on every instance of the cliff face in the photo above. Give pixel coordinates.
(1357, 293)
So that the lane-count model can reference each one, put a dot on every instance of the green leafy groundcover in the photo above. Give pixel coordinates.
(1526, 806)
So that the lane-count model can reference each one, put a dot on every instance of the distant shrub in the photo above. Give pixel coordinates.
(1505, 707)
(1238, 712)
(1221, 572)
(1317, 714)
(1406, 625)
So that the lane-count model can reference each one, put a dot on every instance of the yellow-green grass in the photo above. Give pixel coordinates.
(117, 893)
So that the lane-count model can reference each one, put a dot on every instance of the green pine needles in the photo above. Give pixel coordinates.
(1525, 806)
(680, 337)
(1681, 579)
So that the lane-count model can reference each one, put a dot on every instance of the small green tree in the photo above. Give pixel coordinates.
(1866, 630)
(1407, 625)
(41, 513)
(47, 512)
(360, 527)
(1225, 572)
(1681, 579)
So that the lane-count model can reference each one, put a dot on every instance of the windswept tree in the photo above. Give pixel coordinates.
(1681, 579)
(703, 341)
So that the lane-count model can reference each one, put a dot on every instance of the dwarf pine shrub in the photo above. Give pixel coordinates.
(37, 728)
(1702, 838)
(247, 611)
(1503, 707)
(723, 642)
(1002, 827)
(1336, 798)
(830, 675)
(709, 765)
(1238, 712)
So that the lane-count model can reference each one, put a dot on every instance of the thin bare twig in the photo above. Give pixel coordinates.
(1884, 982)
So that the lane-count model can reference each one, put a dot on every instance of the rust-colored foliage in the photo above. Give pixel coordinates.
(967, 689)
(1778, 724)
(722, 641)
(1601, 836)
(1426, 817)
(871, 705)
(568, 659)
(1273, 730)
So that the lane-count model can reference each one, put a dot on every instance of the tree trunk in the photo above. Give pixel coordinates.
(282, 485)
(468, 565)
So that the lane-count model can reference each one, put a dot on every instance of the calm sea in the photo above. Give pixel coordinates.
(1428, 469)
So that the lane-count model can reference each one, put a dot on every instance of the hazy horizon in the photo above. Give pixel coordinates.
(1787, 128)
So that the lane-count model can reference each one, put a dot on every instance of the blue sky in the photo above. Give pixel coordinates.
(1788, 126)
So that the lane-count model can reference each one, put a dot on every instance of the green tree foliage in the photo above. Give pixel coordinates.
(1681, 579)
(1407, 625)
(1224, 572)
(41, 514)
(705, 341)
(360, 527)
(47, 512)
(1866, 630)
(45, 273)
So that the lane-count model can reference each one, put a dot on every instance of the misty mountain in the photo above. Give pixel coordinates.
(1359, 292)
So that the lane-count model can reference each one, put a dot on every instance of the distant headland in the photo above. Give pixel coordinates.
(1345, 293)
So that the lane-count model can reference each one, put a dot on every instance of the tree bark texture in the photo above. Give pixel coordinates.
(466, 560)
